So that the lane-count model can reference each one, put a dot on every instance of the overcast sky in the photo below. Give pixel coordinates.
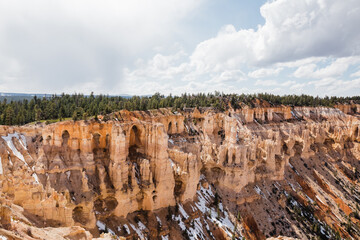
(176, 46)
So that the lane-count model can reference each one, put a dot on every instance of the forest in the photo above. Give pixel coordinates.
(80, 106)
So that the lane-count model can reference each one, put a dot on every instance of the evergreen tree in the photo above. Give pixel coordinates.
(9, 115)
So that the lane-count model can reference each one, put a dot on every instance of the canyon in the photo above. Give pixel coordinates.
(252, 173)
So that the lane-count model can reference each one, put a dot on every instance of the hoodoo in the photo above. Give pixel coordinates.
(252, 173)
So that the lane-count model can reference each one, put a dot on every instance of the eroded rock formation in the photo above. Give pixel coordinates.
(187, 167)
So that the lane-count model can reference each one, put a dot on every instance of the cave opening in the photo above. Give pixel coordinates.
(135, 137)
(135, 144)
(298, 147)
(98, 154)
(266, 117)
(65, 138)
(79, 215)
(226, 158)
(170, 128)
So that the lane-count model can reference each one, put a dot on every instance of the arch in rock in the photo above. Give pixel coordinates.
(135, 137)
(65, 138)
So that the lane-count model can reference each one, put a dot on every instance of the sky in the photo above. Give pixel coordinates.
(139, 47)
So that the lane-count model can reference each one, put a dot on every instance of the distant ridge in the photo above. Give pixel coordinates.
(29, 96)
(21, 96)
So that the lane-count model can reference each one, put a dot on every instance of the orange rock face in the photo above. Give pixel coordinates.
(79, 173)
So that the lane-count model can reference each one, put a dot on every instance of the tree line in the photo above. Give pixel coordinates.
(79, 106)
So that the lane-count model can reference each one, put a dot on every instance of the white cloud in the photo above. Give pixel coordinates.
(265, 72)
(355, 74)
(293, 30)
(62, 43)
(229, 76)
(335, 69)
(331, 86)
(306, 39)
(305, 71)
(133, 47)
(266, 83)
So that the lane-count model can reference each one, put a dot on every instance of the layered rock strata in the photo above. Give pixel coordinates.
(89, 173)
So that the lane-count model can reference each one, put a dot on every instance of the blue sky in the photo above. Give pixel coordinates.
(175, 46)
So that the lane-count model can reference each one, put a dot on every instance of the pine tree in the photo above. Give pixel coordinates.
(9, 115)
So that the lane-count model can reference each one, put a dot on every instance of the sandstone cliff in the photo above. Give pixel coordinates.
(196, 174)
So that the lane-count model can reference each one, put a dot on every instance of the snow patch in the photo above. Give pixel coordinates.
(141, 226)
(158, 220)
(101, 226)
(183, 212)
(68, 174)
(10, 144)
(127, 228)
(138, 231)
(35, 176)
(180, 222)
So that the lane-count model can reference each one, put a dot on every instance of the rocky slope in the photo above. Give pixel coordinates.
(196, 174)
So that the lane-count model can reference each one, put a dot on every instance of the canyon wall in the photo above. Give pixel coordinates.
(79, 173)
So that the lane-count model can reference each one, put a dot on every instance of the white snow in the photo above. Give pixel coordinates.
(221, 207)
(201, 204)
(166, 237)
(23, 141)
(127, 229)
(9, 142)
(101, 226)
(68, 173)
(11, 163)
(138, 231)
(292, 167)
(3, 237)
(310, 200)
(35, 176)
(197, 231)
(206, 196)
(172, 163)
(111, 232)
(292, 186)
(181, 224)
(171, 141)
(159, 220)
(258, 190)
(141, 226)
(182, 211)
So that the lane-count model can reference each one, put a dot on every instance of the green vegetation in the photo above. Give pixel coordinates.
(79, 106)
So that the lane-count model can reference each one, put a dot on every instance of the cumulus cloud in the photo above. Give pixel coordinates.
(332, 86)
(56, 45)
(304, 46)
(356, 74)
(305, 39)
(337, 68)
(293, 30)
(265, 72)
